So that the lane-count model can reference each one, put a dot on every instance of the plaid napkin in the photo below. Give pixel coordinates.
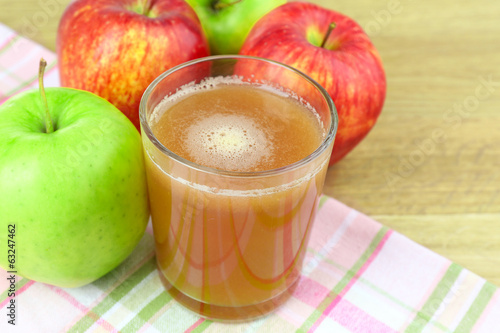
(358, 275)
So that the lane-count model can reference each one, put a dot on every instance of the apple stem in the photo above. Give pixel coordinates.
(49, 128)
(221, 5)
(146, 7)
(328, 32)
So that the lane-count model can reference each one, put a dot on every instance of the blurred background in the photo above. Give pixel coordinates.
(430, 168)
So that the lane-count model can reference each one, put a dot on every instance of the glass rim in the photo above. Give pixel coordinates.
(329, 137)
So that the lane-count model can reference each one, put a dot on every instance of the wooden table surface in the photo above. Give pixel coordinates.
(439, 57)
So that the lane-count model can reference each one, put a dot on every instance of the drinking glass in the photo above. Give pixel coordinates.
(229, 244)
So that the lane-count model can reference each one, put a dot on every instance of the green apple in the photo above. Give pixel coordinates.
(227, 22)
(73, 196)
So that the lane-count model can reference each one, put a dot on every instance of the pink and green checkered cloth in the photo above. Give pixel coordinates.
(358, 276)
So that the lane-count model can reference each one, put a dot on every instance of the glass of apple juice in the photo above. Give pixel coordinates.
(236, 152)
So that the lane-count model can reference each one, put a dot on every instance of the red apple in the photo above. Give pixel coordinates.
(342, 60)
(116, 48)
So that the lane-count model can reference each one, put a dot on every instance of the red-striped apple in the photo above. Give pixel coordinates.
(343, 60)
(116, 48)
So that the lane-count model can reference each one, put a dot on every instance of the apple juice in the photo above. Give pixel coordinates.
(230, 238)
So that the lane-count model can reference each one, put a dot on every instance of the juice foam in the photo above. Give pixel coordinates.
(236, 127)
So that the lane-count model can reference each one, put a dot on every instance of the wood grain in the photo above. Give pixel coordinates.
(443, 192)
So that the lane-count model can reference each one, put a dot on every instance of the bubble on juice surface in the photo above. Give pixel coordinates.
(227, 142)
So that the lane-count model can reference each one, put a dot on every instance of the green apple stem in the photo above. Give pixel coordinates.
(146, 7)
(328, 32)
(221, 5)
(49, 128)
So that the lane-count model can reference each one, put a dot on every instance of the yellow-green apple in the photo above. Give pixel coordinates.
(116, 48)
(333, 50)
(227, 22)
(73, 188)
